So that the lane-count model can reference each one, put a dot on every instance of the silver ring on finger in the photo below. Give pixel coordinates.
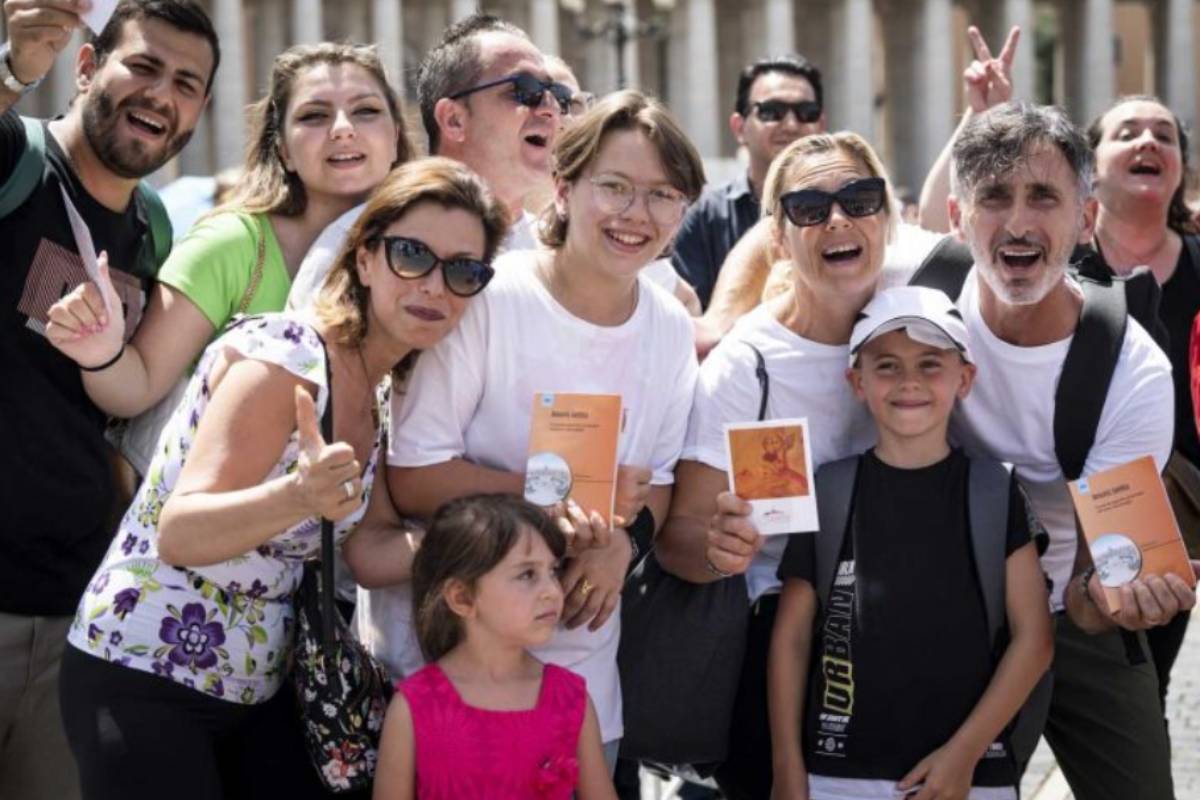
(348, 488)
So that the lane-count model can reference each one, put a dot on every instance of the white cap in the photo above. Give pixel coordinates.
(927, 315)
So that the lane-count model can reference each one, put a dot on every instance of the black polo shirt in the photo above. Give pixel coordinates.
(711, 228)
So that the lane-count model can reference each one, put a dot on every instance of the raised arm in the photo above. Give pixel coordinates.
(987, 82)
(205, 282)
(38, 31)
(708, 534)
(223, 505)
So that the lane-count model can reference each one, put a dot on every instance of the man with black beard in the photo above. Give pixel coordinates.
(142, 84)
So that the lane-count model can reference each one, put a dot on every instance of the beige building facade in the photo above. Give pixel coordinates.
(892, 67)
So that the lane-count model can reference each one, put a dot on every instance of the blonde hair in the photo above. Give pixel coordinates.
(579, 144)
(267, 187)
(793, 165)
(343, 299)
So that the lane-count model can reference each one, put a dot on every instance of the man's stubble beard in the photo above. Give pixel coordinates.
(1024, 295)
(132, 159)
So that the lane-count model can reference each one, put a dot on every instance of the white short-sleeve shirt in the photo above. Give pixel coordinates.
(471, 397)
(805, 379)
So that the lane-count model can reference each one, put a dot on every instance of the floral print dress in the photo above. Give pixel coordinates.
(224, 629)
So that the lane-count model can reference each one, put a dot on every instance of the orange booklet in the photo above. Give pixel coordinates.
(573, 450)
(770, 464)
(1129, 526)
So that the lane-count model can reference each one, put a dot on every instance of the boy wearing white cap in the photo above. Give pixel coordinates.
(891, 670)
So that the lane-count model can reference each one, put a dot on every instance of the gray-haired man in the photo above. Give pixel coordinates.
(1021, 200)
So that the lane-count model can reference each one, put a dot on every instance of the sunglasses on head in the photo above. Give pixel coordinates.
(528, 90)
(805, 111)
(411, 258)
(858, 198)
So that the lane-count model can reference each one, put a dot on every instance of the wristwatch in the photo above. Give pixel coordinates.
(11, 81)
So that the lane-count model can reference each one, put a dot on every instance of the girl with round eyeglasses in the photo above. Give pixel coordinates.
(575, 317)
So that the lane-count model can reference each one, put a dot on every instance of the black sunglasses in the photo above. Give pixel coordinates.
(858, 198)
(412, 258)
(528, 90)
(805, 111)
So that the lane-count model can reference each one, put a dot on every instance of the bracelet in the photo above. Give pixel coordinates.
(1085, 577)
(106, 364)
(715, 570)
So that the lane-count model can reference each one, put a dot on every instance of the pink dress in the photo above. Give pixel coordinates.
(468, 752)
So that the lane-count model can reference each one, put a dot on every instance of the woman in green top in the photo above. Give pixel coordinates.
(327, 132)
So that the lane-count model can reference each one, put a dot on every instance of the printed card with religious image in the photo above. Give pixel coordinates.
(770, 464)
(1129, 526)
(573, 450)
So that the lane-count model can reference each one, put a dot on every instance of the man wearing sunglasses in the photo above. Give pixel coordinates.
(778, 101)
(486, 100)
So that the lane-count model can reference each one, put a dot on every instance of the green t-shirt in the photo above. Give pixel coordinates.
(213, 264)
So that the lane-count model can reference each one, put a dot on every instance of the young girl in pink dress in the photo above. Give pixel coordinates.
(485, 718)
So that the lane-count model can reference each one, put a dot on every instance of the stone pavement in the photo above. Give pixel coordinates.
(1043, 781)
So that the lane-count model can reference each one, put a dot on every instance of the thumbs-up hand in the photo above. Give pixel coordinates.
(327, 475)
(88, 325)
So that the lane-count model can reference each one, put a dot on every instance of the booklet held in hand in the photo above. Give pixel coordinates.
(1129, 526)
(573, 451)
(770, 464)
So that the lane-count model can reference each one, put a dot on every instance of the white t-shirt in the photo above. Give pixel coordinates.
(806, 379)
(663, 273)
(1009, 415)
(319, 260)
(471, 396)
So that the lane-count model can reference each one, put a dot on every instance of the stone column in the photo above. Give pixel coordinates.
(387, 30)
(1019, 12)
(543, 28)
(852, 101)
(1090, 69)
(270, 39)
(462, 8)
(1175, 78)
(308, 27)
(699, 98)
(920, 87)
(229, 92)
(780, 20)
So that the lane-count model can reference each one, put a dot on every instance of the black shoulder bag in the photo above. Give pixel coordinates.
(680, 657)
(341, 690)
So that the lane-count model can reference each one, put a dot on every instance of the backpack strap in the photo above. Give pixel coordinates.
(835, 492)
(764, 381)
(159, 224)
(945, 267)
(989, 484)
(28, 171)
(1087, 372)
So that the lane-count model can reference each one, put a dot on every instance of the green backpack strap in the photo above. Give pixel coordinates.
(835, 493)
(28, 171)
(989, 483)
(159, 234)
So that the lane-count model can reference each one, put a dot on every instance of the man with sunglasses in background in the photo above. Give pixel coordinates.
(778, 101)
(487, 100)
